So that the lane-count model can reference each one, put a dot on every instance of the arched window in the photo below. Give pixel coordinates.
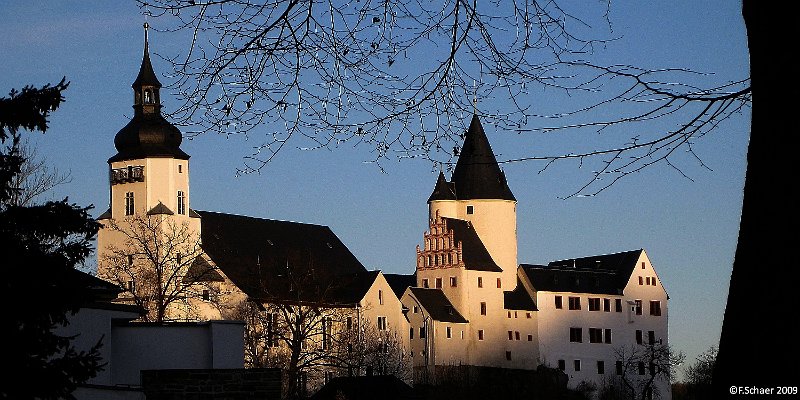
(148, 96)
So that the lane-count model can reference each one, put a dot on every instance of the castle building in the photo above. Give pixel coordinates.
(475, 305)
(469, 302)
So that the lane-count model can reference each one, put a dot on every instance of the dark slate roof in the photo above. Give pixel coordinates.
(351, 288)
(477, 174)
(193, 214)
(272, 260)
(148, 134)
(604, 274)
(443, 190)
(384, 387)
(202, 271)
(437, 305)
(518, 299)
(400, 282)
(105, 215)
(160, 208)
(474, 255)
(99, 289)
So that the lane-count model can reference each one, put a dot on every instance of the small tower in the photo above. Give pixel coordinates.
(149, 168)
(478, 192)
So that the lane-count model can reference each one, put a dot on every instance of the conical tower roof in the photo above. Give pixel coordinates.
(147, 76)
(477, 174)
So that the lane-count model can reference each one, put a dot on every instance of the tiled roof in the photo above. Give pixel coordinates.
(286, 261)
(604, 274)
(518, 299)
(400, 282)
(437, 305)
(474, 255)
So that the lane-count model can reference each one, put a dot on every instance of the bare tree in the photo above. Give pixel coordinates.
(35, 177)
(161, 265)
(402, 77)
(642, 366)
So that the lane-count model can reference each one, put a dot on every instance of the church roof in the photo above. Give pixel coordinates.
(477, 174)
(474, 253)
(147, 76)
(437, 305)
(603, 274)
(286, 261)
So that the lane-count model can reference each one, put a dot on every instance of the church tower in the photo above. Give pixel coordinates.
(479, 194)
(149, 170)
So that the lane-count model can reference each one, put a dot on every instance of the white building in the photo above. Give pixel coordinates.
(475, 305)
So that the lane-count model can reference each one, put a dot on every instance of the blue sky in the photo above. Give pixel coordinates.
(688, 227)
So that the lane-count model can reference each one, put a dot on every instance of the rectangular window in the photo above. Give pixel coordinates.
(607, 336)
(655, 308)
(639, 339)
(438, 283)
(647, 281)
(180, 169)
(516, 335)
(206, 295)
(510, 335)
(594, 304)
(480, 334)
(595, 335)
(601, 367)
(641, 281)
(480, 282)
(651, 337)
(499, 283)
(181, 203)
(577, 364)
(619, 367)
(425, 283)
(574, 303)
(530, 338)
(509, 314)
(562, 365)
(559, 303)
(642, 264)
(607, 305)
(653, 281)
(411, 333)
(453, 282)
(508, 355)
(129, 205)
(528, 315)
(470, 209)
(618, 305)
(422, 332)
(130, 260)
(638, 307)
(483, 308)
(576, 335)
(449, 332)
(381, 323)
(349, 323)
(380, 297)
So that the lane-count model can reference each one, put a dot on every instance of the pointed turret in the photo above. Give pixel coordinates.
(477, 174)
(148, 134)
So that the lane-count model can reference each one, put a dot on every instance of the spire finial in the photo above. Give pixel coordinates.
(146, 26)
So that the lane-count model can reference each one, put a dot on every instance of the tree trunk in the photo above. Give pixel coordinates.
(757, 341)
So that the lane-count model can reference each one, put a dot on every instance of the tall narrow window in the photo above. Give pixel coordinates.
(480, 282)
(559, 303)
(618, 305)
(380, 297)
(639, 336)
(425, 283)
(130, 260)
(349, 323)
(508, 355)
(129, 206)
(655, 308)
(607, 336)
(449, 332)
(422, 332)
(480, 334)
(499, 283)
(601, 367)
(607, 305)
(483, 308)
(577, 365)
(381, 323)
(453, 281)
(619, 367)
(562, 365)
(410, 333)
(438, 283)
(651, 337)
(180, 168)
(181, 202)
(638, 307)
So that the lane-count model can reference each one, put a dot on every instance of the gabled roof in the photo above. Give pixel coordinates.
(284, 261)
(400, 282)
(202, 271)
(474, 253)
(160, 208)
(477, 174)
(604, 274)
(518, 299)
(437, 305)
(105, 215)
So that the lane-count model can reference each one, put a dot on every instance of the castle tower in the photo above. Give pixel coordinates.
(478, 193)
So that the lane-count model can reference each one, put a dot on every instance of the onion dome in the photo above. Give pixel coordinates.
(148, 134)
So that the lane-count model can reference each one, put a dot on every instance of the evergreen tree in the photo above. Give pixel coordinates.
(42, 245)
